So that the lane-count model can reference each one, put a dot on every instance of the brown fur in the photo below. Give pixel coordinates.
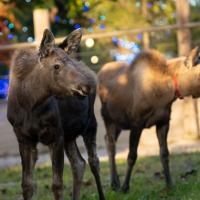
(139, 96)
(50, 101)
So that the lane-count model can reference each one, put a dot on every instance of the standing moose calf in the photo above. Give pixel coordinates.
(50, 100)
(140, 95)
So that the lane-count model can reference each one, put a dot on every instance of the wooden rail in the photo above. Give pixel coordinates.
(108, 34)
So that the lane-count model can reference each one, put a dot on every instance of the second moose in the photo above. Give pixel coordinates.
(140, 95)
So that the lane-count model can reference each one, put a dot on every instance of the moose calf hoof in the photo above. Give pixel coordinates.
(125, 188)
(115, 184)
(169, 185)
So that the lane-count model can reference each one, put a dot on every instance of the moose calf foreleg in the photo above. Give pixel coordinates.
(57, 159)
(77, 166)
(132, 156)
(162, 132)
(28, 158)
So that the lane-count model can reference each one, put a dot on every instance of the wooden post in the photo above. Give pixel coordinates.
(40, 21)
(146, 42)
(183, 34)
(184, 46)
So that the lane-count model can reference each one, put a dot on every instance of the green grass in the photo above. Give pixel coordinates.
(144, 184)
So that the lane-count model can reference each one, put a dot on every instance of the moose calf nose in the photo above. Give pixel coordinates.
(85, 89)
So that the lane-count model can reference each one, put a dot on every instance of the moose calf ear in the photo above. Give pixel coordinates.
(47, 43)
(72, 42)
(193, 58)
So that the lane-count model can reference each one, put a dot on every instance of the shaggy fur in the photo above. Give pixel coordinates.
(51, 99)
(139, 96)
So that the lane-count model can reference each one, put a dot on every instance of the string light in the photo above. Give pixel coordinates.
(86, 8)
(25, 29)
(57, 18)
(30, 39)
(77, 26)
(11, 26)
(64, 21)
(71, 21)
(102, 17)
(89, 42)
(94, 59)
(92, 21)
(90, 29)
(10, 36)
(139, 36)
(102, 26)
(149, 5)
(6, 22)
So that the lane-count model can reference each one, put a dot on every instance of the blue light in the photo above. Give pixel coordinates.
(10, 36)
(86, 8)
(90, 29)
(6, 22)
(91, 20)
(124, 57)
(77, 26)
(3, 87)
(11, 26)
(102, 26)
(30, 39)
(115, 40)
(149, 5)
(102, 17)
(139, 36)
(132, 46)
(57, 18)
(64, 21)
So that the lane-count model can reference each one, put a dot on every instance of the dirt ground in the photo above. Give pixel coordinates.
(182, 135)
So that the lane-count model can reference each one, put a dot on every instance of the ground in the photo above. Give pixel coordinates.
(182, 136)
(147, 183)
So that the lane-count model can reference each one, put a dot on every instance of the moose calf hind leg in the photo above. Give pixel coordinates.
(110, 140)
(162, 132)
(132, 156)
(93, 160)
(77, 166)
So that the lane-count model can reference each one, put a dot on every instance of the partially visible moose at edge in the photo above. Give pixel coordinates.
(140, 95)
(50, 100)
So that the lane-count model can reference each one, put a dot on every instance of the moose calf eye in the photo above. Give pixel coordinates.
(56, 66)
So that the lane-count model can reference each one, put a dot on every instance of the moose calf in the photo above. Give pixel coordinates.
(140, 95)
(50, 100)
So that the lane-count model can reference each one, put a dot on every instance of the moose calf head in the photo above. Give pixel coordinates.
(65, 75)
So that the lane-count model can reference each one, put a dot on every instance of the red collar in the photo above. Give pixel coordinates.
(177, 90)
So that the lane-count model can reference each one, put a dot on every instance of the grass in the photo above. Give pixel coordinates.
(147, 182)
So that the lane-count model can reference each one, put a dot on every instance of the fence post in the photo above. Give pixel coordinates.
(183, 34)
(184, 46)
(145, 40)
(40, 21)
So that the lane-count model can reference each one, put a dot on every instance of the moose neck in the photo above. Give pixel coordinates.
(189, 82)
(31, 90)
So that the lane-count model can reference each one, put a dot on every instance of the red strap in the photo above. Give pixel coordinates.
(177, 91)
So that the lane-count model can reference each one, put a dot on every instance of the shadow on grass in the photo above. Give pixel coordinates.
(147, 182)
